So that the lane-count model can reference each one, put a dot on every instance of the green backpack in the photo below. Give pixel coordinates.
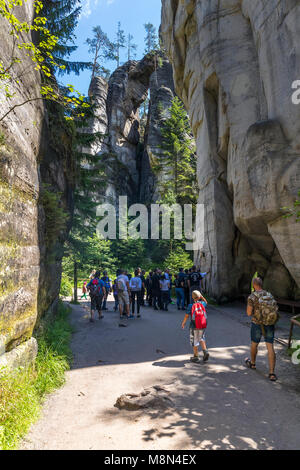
(268, 309)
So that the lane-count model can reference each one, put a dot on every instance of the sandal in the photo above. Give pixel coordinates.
(249, 364)
(273, 377)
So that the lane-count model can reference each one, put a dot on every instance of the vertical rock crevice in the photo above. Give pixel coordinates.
(248, 45)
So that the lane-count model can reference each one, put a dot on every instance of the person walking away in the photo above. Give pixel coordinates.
(136, 293)
(123, 290)
(165, 292)
(149, 289)
(142, 276)
(194, 280)
(179, 289)
(115, 294)
(107, 283)
(198, 323)
(156, 289)
(96, 288)
(186, 288)
(263, 310)
(84, 291)
(167, 276)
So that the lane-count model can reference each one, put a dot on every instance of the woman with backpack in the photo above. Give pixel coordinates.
(136, 285)
(97, 291)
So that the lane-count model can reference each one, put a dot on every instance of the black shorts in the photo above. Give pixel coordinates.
(96, 302)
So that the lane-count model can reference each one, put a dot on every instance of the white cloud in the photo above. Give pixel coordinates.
(88, 6)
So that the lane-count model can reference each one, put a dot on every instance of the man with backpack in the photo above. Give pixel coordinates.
(136, 286)
(198, 324)
(123, 290)
(263, 310)
(97, 291)
(107, 283)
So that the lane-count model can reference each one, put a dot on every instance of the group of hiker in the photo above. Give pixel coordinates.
(130, 291)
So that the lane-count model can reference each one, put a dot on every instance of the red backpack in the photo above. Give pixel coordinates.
(199, 317)
(95, 288)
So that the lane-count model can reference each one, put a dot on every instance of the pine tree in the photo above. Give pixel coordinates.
(102, 49)
(151, 39)
(178, 160)
(62, 19)
(131, 47)
(119, 44)
(88, 175)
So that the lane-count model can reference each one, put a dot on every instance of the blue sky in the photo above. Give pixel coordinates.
(133, 14)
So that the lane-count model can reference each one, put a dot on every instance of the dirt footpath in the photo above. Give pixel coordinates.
(218, 405)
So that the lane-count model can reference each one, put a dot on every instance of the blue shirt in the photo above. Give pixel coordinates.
(135, 284)
(100, 283)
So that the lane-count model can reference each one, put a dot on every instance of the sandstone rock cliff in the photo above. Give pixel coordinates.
(29, 269)
(128, 157)
(234, 62)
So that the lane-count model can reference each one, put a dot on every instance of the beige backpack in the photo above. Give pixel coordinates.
(268, 309)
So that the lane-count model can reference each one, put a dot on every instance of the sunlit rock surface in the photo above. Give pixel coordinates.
(126, 155)
(234, 62)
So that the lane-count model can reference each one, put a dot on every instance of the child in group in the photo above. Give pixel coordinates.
(84, 291)
(197, 314)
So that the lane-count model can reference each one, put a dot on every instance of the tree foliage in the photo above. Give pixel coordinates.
(151, 39)
(62, 19)
(131, 47)
(119, 44)
(178, 161)
(102, 49)
(41, 57)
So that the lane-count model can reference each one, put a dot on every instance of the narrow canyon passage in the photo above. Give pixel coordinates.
(218, 405)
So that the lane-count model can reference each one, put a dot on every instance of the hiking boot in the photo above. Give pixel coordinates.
(195, 359)
(205, 356)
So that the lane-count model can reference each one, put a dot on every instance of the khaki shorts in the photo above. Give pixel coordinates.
(123, 298)
(196, 336)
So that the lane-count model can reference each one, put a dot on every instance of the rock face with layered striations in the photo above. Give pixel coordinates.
(29, 268)
(127, 157)
(234, 63)
(161, 96)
